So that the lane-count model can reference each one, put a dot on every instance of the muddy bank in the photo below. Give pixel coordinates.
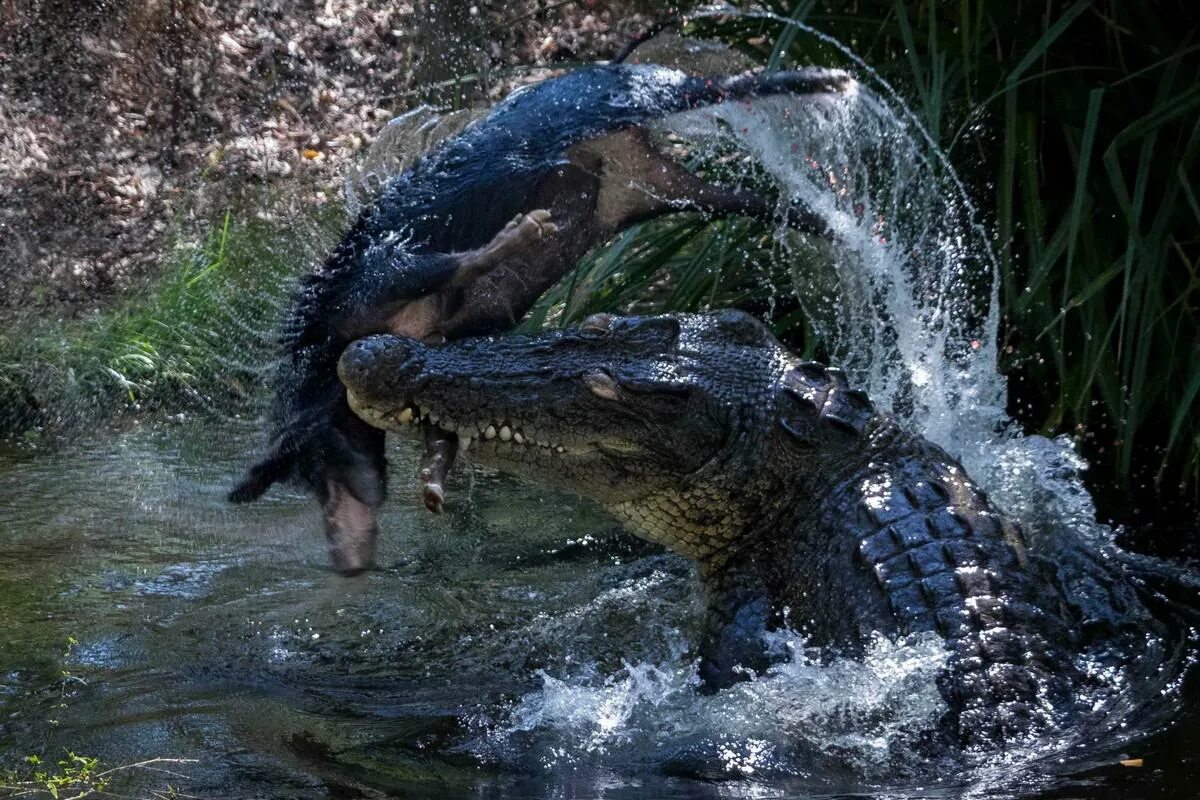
(124, 123)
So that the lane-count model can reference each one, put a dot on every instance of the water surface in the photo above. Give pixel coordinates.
(518, 646)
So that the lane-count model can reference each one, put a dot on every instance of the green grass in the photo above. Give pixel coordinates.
(198, 337)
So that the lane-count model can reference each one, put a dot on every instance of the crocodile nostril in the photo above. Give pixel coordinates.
(376, 358)
(357, 360)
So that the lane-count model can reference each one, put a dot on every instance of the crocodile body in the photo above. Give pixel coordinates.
(804, 506)
(567, 163)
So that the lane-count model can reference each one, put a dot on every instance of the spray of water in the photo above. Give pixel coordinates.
(809, 716)
(904, 295)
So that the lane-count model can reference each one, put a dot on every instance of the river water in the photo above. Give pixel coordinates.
(518, 646)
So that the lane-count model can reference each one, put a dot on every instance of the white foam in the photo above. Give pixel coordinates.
(860, 711)
(905, 297)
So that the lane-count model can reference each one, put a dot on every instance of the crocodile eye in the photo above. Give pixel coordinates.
(597, 323)
(741, 327)
(602, 384)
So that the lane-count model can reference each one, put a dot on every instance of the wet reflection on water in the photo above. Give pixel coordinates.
(519, 645)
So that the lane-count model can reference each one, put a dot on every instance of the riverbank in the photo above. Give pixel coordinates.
(127, 128)
(169, 169)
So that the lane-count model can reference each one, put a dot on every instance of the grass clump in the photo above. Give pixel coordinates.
(199, 336)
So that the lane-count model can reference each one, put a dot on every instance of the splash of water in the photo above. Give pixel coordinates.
(806, 713)
(904, 294)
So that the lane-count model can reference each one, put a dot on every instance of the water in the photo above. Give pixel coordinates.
(522, 646)
(518, 647)
(904, 293)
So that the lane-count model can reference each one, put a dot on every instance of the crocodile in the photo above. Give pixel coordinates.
(467, 239)
(804, 506)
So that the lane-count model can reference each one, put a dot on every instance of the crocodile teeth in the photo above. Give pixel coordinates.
(478, 431)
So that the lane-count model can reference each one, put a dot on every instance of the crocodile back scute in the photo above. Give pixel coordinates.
(823, 405)
(948, 561)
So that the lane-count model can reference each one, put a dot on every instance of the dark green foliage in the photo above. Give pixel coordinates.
(1077, 129)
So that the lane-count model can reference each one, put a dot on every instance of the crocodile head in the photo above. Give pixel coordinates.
(667, 421)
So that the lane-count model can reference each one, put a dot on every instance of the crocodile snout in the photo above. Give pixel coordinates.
(373, 366)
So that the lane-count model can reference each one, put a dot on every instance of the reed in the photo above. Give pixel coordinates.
(1077, 128)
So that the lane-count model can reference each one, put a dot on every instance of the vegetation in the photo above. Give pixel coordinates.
(1075, 125)
(73, 776)
(199, 336)
(1095, 108)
